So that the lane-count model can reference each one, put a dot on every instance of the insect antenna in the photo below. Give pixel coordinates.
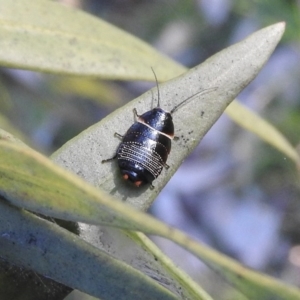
(189, 98)
(158, 94)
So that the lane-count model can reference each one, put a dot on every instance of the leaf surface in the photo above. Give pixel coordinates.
(47, 36)
(70, 198)
(50, 37)
(32, 182)
(267, 132)
(228, 72)
(56, 253)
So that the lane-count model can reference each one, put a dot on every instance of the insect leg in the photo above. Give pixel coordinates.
(118, 135)
(109, 159)
(135, 113)
(115, 156)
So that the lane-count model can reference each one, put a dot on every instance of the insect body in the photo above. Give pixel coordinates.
(145, 147)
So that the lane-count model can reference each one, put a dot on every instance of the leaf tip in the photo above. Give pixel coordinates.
(280, 27)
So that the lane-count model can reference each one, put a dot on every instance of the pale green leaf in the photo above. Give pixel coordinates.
(46, 248)
(6, 136)
(48, 36)
(229, 71)
(252, 122)
(28, 176)
(38, 185)
(44, 188)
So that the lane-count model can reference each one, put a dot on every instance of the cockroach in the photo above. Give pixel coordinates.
(145, 147)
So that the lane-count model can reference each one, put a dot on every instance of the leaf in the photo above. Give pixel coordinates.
(6, 124)
(25, 177)
(252, 122)
(45, 183)
(47, 36)
(56, 253)
(6, 136)
(229, 71)
(85, 45)
(79, 295)
(44, 188)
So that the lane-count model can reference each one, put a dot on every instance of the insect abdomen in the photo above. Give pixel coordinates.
(143, 153)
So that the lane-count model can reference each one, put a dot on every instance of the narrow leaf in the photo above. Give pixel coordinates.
(92, 210)
(72, 199)
(82, 44)
(48, 36)
(229, 71)
(56, 253)
(252, 122)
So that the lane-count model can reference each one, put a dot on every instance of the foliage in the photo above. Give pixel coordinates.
(124, 263)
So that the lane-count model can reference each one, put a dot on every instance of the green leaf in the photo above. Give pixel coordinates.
(252, 122)
(79, 295)
(6, 136)
(34, 177)
(50, 37)
(56, 253)
(229, 71)
(47, 36)
(31, 181)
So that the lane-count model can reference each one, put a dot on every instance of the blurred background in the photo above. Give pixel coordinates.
(234, 193)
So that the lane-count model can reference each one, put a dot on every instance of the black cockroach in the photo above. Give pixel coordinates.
(145, 147)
